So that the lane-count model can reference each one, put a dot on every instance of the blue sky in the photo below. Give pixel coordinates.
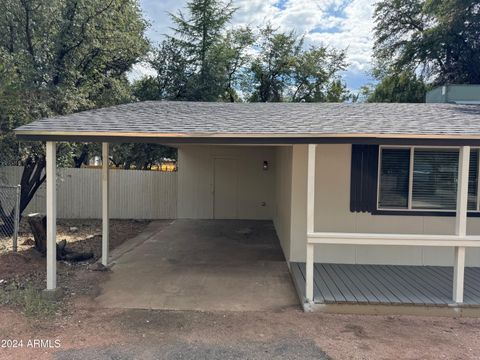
(342, 24)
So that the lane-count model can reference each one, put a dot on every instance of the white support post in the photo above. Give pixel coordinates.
(105, 205)
(311, 187)
(51, 160)
(309, 273)
(310, 221)
(461, 223)
(458, 274)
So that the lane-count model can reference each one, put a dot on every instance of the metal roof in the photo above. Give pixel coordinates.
(276, 122)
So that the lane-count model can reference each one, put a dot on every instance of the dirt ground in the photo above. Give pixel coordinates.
(79, 329)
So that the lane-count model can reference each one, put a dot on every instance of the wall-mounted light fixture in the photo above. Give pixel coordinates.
(265, 165)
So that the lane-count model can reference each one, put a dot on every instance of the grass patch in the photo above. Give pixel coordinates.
(29, 298)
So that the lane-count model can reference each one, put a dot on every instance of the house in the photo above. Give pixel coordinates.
(455, 94)
(372, 203)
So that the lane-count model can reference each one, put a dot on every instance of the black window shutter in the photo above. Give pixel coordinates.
(363, 179)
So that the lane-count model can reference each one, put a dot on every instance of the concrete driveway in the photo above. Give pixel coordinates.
(201, 265)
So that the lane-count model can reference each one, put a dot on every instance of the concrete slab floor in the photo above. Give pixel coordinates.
(207, 265)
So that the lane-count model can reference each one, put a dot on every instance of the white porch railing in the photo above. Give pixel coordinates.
(459, 241)
(317, 238)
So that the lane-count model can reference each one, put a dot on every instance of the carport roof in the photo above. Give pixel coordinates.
(164, 121)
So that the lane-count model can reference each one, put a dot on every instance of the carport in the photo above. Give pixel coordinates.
(206, 265)
(222, 254)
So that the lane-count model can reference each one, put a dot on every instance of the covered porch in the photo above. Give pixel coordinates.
(386, 284)
(324, 283)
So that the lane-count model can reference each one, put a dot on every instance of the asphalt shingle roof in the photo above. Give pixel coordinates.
(294, 120)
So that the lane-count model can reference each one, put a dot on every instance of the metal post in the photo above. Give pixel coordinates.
(17, 218)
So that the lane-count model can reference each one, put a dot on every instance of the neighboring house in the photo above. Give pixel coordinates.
(455, 94)
(386, 184)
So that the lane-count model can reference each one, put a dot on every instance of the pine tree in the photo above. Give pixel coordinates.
(198, 33)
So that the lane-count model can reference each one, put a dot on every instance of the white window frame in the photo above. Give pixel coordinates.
(410, 178)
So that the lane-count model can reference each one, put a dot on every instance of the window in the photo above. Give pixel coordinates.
(394, 176)
(434, 179)
(418, 178)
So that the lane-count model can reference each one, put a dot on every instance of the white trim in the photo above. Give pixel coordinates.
(462, 191)
(446, 147)
(410, 178)
(421, 210)
(50, 171)
(392, 239)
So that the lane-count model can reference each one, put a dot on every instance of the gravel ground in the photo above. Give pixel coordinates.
(80, 234)
(92, 333)
(293, 348)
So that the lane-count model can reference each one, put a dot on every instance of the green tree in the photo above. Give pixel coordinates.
(316, 76)
(274, 64)
(198, 33)
(141, 156)
(441, 38)
(231, 59)
(404, 87)
(173, 74)
(285, 71)
(58, 57)
(202, 61)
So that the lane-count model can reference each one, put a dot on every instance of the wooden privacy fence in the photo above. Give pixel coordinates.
(134, 194)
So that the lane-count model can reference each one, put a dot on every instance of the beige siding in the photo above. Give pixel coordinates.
(332, 213)
(299, 202)
(195, 182)
(283, 197)
(134, 194)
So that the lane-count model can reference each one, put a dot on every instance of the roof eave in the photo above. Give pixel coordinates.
(250, 138)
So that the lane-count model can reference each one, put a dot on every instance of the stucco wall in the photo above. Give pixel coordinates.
(332, 213)
(283, 188)
(196, 180)
(283, 197)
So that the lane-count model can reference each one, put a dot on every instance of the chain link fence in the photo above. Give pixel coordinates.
(9, 213)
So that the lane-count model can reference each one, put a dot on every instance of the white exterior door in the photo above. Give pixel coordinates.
(225, 189)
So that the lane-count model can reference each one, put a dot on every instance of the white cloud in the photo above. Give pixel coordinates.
(342, 24)
(254, 12)
(140, 70)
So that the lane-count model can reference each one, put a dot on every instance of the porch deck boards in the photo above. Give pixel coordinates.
(386, 284)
